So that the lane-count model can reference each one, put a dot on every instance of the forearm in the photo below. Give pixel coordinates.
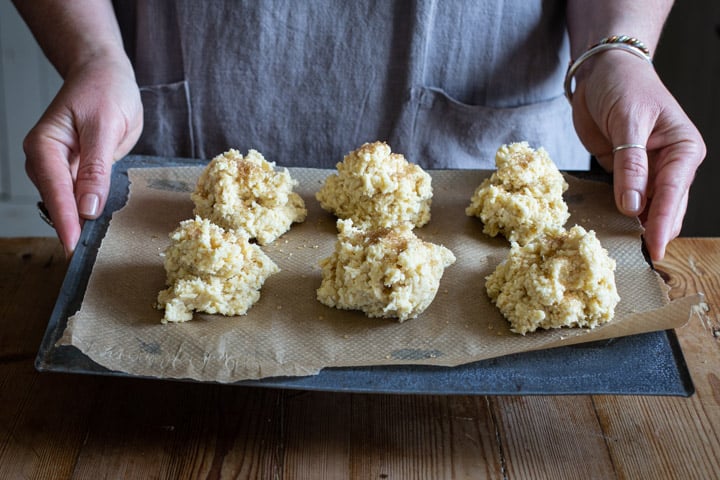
(75, 32)
(591, 20)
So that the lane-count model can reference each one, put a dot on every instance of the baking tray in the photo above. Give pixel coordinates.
(645, 364)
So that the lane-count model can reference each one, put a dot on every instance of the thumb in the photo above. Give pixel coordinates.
(97, 146)
(630, 177)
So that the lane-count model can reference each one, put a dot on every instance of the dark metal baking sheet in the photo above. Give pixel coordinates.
(646, 364)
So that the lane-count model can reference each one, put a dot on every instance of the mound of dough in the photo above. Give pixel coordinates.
(561, 279)
(387, 272)
(377, 188)
(211, 270)
(523, 197)
(247, 192)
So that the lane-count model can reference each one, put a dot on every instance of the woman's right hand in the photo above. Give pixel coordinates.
(94, 120)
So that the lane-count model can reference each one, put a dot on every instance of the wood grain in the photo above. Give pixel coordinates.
(87, 427)
(31, 272)
(552, 437)
(675, 437)
(632, 436)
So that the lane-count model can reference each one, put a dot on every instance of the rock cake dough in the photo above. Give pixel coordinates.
(247, 192)
(386, 272)
(523, 197)
(211, 270)
(375, 187)
(563, 278)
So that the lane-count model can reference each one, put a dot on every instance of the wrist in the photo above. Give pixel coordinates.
(609, 47)
(590, 20)
(111, 57)
(74, 34)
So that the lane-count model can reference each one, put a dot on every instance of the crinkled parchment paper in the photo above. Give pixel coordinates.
(288, 332)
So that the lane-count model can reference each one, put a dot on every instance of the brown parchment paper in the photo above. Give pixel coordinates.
(289, 333)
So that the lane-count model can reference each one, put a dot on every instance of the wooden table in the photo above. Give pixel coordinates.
(72, 426)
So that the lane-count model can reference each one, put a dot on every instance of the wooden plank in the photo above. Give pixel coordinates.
(43, 420)
(552, 437)
(676, 437)
(242, 437)
(660, 437)
(317, 434)
(149, 429)
(42, 417)
(31, 273)
(389, 436)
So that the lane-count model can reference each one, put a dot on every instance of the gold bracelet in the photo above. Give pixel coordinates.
(613, 42)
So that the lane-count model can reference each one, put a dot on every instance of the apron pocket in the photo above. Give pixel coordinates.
(167, 129)
(446, 133)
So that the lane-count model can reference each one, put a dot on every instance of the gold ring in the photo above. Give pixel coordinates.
(628, 145)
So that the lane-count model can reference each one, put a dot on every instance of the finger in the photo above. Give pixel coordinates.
(662, 222)
(605, 161)
(48, 166)
(630, 178)
(98, 142)
(667, 209)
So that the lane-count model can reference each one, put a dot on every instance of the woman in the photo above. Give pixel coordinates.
(445, 83)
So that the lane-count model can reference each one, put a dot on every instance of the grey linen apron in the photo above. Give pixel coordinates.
(444, 82)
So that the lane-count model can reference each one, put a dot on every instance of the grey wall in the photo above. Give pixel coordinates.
(27, 84)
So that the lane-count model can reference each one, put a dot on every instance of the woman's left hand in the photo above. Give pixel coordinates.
(620, 100)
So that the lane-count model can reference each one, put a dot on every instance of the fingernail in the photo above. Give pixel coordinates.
(631, 201)
(88, 206)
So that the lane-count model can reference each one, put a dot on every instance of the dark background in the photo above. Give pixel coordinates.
(688, 61)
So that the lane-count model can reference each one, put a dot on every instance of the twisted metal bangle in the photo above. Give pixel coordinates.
(614, 42)
(632, 41)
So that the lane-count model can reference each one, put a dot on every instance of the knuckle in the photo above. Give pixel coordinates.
(634, 165)
(28, 142)
(675, 188)
(671, 190)
(699, 154)
(31, 142)
(92, 170)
